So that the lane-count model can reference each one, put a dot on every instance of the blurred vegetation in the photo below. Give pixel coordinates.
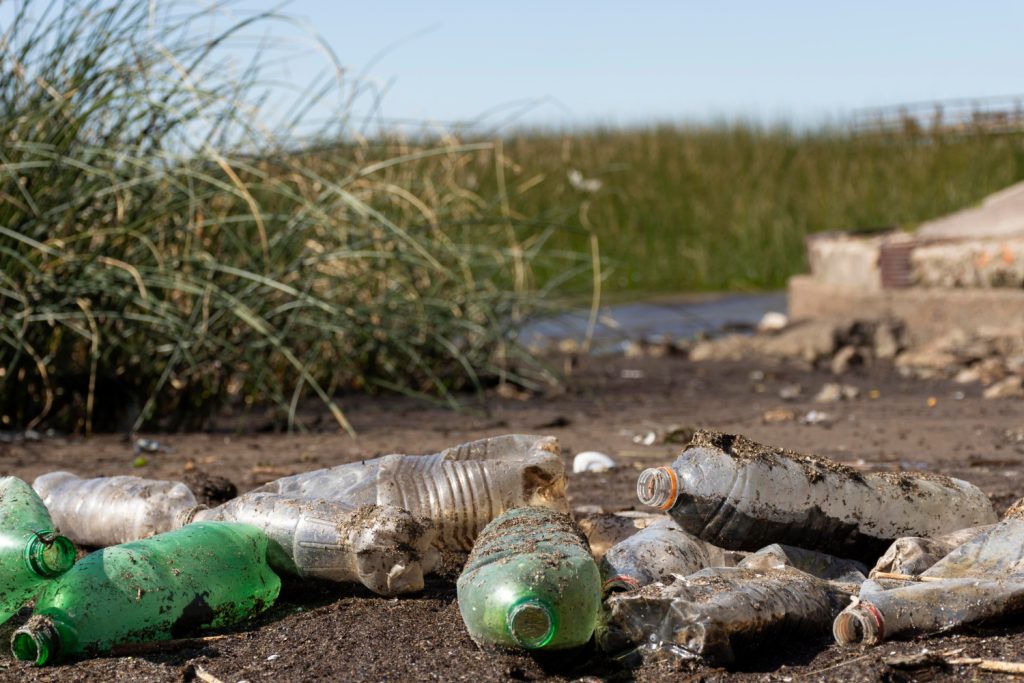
(163, 255)
(728, 207)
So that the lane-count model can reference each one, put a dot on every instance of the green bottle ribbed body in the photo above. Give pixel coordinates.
(31, 553)
(203, 575)
(530, 583)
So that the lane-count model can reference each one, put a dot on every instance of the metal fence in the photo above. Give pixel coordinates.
(987, 115)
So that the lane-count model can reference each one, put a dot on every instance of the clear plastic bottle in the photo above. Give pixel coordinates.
(460, 489)
(712, 615)
(819, 565)
(110, 510)
(203, 575)
(31, 552)
(738, 494)
(530, 583)
(605, 529)
(653, 554)
(912, 555)
(381, 546)
(981, 579)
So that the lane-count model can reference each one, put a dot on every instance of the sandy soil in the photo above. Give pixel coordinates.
(321, 631)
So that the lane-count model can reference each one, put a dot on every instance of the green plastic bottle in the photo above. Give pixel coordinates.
(31, 552)
(530, 583)
(203, 575)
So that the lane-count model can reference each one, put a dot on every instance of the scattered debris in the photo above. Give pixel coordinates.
(592, 461)
(778, 415)
(832, 392)
(816, 417)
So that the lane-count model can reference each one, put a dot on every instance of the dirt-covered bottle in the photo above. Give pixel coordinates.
(203, 575)
(653, 554)
(530, 583)
(460, 489)
(31, 552)
(741, 495)
(381, 546)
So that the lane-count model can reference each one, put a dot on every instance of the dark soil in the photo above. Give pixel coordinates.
(320, 631)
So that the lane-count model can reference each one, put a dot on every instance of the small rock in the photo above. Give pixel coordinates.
(845, 358)
(833, 391)
(816, 417)
(772, 321)
(778, 415)
(791, 392)
(1011, 387)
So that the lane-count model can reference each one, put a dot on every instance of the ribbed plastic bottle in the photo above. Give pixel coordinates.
(110, 510)
(738, 494)
(530, 583)
(981, 579)
(381, 546)
(653, 554)
(460, 489)
(717, 614)
(31, 552)
(203, 575)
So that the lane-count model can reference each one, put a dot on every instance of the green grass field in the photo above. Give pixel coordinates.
(728, 207)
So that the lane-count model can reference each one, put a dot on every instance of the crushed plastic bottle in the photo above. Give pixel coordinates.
(605, 529)
(110, 510)
(530, 583)
(913, 555)
(741, 495)
(981, 579)
(655, 554)
(819, 565)
(381, 546)
(203, 575)
(31, 552)
(460, 489)
(716, 614)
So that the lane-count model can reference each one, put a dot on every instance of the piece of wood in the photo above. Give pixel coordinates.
(205, 676)
(906, 577)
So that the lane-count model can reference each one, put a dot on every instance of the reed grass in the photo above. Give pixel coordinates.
(728, 207)
(164, 255)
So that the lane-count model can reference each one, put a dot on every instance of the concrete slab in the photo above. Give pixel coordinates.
(927, 312)
(999, 215)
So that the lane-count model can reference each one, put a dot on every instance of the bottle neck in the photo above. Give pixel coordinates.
(49, 554)
(38, 641)
(658, 487)
(531, 622)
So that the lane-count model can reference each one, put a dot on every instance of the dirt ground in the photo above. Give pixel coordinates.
(320, 631)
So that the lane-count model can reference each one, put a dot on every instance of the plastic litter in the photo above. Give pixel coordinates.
(382, 547)
(741, 495)
(981, 579)
(820, 565)
(592, 461)
(204, 575)
(530, 583)
(655, 554)
(913, 555)
(110, 510)
(460, 489)
(605, 529)
(718, 613)
(31, 552)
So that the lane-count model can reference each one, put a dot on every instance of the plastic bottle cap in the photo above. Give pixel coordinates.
(531, 623)
(658, 487)
(49, 554)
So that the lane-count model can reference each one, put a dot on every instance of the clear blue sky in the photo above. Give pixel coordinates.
(623, 62)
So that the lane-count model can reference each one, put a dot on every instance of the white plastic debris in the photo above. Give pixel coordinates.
(592, 461)
(772, 321)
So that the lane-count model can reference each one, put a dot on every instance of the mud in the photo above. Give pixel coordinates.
(324, 631)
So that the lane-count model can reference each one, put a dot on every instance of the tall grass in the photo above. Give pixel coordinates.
(163, 255)
(728, 207)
